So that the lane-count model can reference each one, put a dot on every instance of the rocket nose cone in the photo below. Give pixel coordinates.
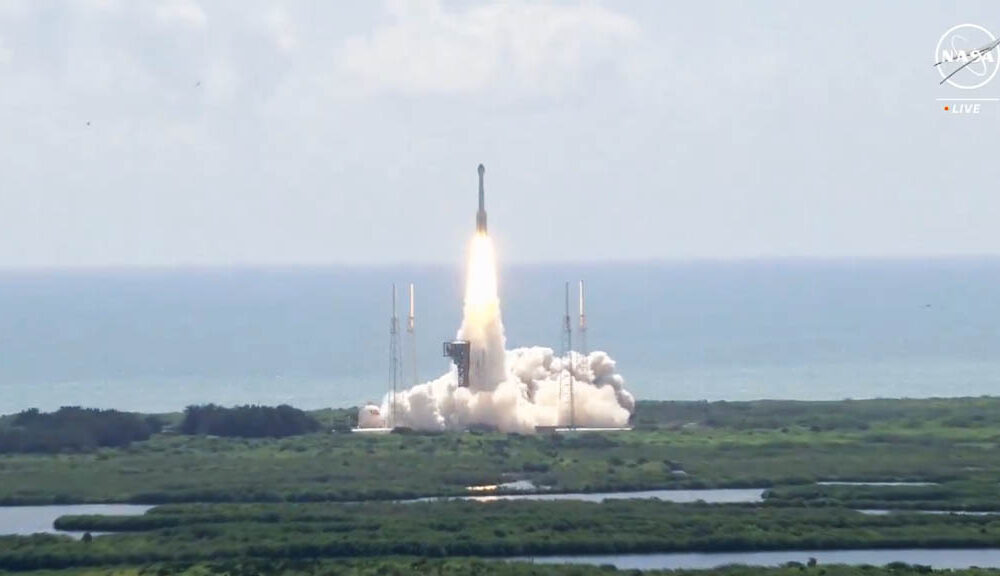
(482, 169)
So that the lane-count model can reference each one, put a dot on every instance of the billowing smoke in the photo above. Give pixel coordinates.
(513, 390)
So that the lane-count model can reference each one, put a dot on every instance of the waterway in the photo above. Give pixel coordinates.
(938, 559)
(25, 520)
(716, 496)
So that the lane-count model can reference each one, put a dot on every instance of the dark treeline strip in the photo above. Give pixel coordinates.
(495, 529)
(681, 516)
(248, 421)
(956, 496)
(832, 415)
(403, 566)
(72, 429)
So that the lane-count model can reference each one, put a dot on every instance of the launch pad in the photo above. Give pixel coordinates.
(383, 430)
(569, 430)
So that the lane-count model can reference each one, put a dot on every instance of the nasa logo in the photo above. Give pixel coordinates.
(965, 57)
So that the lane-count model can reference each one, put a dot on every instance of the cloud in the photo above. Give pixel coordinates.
(426, 48)
(282, 29)
(100, 5)
(184, 12)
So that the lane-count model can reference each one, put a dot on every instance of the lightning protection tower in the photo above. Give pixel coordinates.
(583, 323)
(393, 360)
(566, 400)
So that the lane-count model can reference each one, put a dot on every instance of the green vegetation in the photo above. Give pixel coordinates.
(192, 533)
(247, 421)
(956, 496)
(73, 430)
(680, 445)
(282, 500)
(463, 566)
(907, 414)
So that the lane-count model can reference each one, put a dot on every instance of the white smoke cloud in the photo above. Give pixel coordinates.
(527, 396)
(513, 390)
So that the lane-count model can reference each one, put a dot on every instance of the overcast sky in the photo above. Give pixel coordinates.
(179, 132)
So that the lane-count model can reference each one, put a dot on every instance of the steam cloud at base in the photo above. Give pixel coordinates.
(527, 397)
(512, 390)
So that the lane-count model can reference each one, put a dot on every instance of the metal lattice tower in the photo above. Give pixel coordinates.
(566, 396)
(583, 323)
(393, 360)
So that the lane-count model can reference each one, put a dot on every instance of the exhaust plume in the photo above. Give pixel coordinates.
(512, 390)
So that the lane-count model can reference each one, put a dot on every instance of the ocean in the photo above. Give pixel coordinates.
(158, 340)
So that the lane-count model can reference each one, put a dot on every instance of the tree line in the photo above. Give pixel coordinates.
(73, 429)
(247, 421)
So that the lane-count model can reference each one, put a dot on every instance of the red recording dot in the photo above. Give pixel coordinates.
(946, 108)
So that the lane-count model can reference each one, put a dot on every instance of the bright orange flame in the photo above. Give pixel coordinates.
(481, 325)
(482, 302)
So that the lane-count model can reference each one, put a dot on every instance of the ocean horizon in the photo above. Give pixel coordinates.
(157, 340)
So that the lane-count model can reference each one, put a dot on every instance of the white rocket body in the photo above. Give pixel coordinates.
(481, 214)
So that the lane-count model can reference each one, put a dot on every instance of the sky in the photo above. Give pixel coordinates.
(248, 133)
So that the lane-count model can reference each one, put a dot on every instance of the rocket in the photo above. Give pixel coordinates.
(481, 215)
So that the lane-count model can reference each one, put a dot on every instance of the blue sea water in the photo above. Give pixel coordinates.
(158, 340)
